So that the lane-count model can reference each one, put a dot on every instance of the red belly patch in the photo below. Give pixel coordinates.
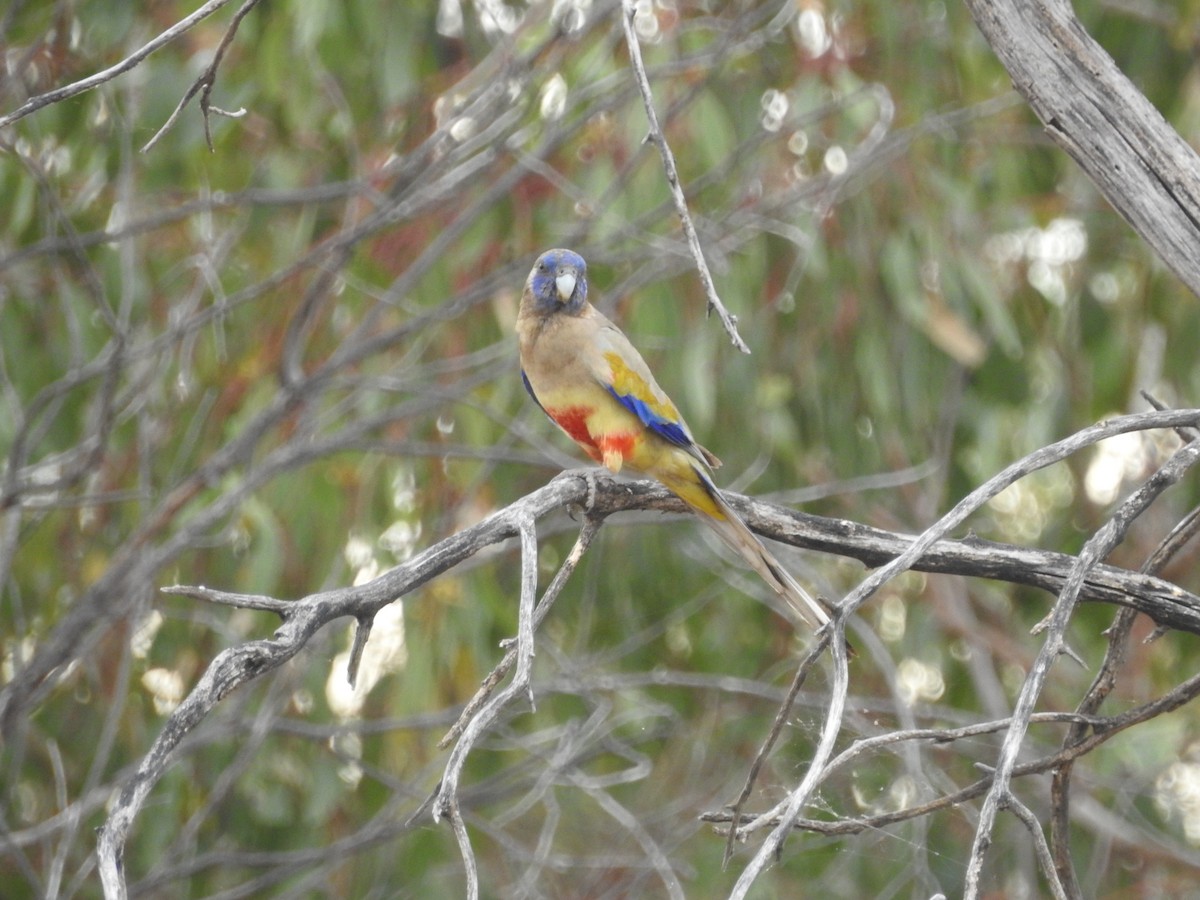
(573, 420)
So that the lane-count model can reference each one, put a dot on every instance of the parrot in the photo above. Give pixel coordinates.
(593, 384)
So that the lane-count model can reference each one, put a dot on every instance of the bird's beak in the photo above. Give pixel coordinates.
(565, 282)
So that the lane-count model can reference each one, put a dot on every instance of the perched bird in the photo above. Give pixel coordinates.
(586, 375)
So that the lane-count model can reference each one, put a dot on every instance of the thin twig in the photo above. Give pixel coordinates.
(729, 321)
(484, 709)
(1041, 848)
(464, 848)
(658, 858)
(204, 85)
(1103, 729)
(524, 652)
(227, 598)
(446, 801)
(33, 104)
(1102, 686)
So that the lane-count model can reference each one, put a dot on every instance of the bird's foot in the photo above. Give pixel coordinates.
(589, 478)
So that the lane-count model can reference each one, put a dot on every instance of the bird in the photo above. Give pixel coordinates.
(593, 384)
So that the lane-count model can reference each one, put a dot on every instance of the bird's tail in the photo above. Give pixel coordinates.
(705, 498)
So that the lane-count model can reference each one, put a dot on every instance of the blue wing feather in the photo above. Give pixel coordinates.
(664, 428)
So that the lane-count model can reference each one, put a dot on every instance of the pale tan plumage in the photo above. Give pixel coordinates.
(588, 377)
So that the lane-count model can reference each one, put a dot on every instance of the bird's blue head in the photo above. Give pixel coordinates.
(558, 282)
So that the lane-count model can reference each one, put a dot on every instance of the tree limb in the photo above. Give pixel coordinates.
(628, 12)
(1141, 165)
(303, 618)
(33, 104)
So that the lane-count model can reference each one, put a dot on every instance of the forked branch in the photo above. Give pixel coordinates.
(303, 618)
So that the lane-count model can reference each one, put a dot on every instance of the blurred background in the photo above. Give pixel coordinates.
(288, 364)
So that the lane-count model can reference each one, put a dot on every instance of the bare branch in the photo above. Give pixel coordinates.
(785, 709)
(241, 601)
(1090, 109)
(1100, 688)
(629, 11)
(33, 104)
(1097, 548)
(1102, 730)
(1044, 857)
(789, 811)
(591, 527)
(303, 618)
(447, 794)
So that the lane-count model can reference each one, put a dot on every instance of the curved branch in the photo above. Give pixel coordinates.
(33, 104)
(606, 495)
(204, 85)
(628, 12)
(1098, 547)
(1101, 730)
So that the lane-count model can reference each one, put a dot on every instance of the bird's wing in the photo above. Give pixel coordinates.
(529, 389)
(622, 372)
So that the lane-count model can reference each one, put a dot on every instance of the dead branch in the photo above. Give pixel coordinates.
(729, 322)
(33, 104)
(1141, 165)
(303, 618)
(1097, 548)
